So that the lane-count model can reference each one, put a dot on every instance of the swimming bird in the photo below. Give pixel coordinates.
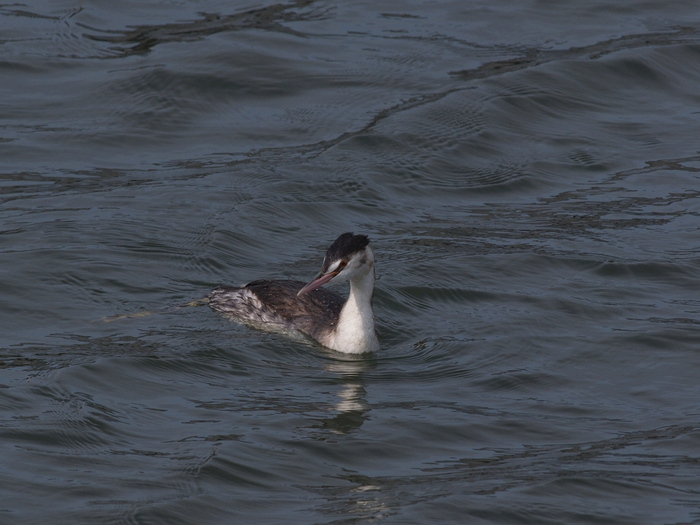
(344, 325)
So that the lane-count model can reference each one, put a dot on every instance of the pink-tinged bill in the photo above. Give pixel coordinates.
(316, 283)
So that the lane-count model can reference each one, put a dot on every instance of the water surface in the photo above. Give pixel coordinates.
(529, 176)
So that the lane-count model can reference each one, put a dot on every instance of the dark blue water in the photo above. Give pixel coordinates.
(529, 176)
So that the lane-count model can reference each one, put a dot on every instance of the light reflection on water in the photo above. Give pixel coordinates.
(530, 189)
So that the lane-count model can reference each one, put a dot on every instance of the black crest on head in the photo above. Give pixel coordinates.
(344, 246)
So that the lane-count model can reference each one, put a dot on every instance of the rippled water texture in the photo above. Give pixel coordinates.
(529, 174)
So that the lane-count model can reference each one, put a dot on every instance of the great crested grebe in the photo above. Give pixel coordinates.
(343, 325)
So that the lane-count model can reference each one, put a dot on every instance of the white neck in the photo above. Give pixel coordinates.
(355, 331)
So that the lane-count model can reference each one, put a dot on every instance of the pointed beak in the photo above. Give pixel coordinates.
(318, 281)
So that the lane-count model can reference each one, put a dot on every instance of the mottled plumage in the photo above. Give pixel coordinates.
(312, 313)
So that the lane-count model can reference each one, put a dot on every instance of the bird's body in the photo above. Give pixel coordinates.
(343, 325)
(309, 313)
